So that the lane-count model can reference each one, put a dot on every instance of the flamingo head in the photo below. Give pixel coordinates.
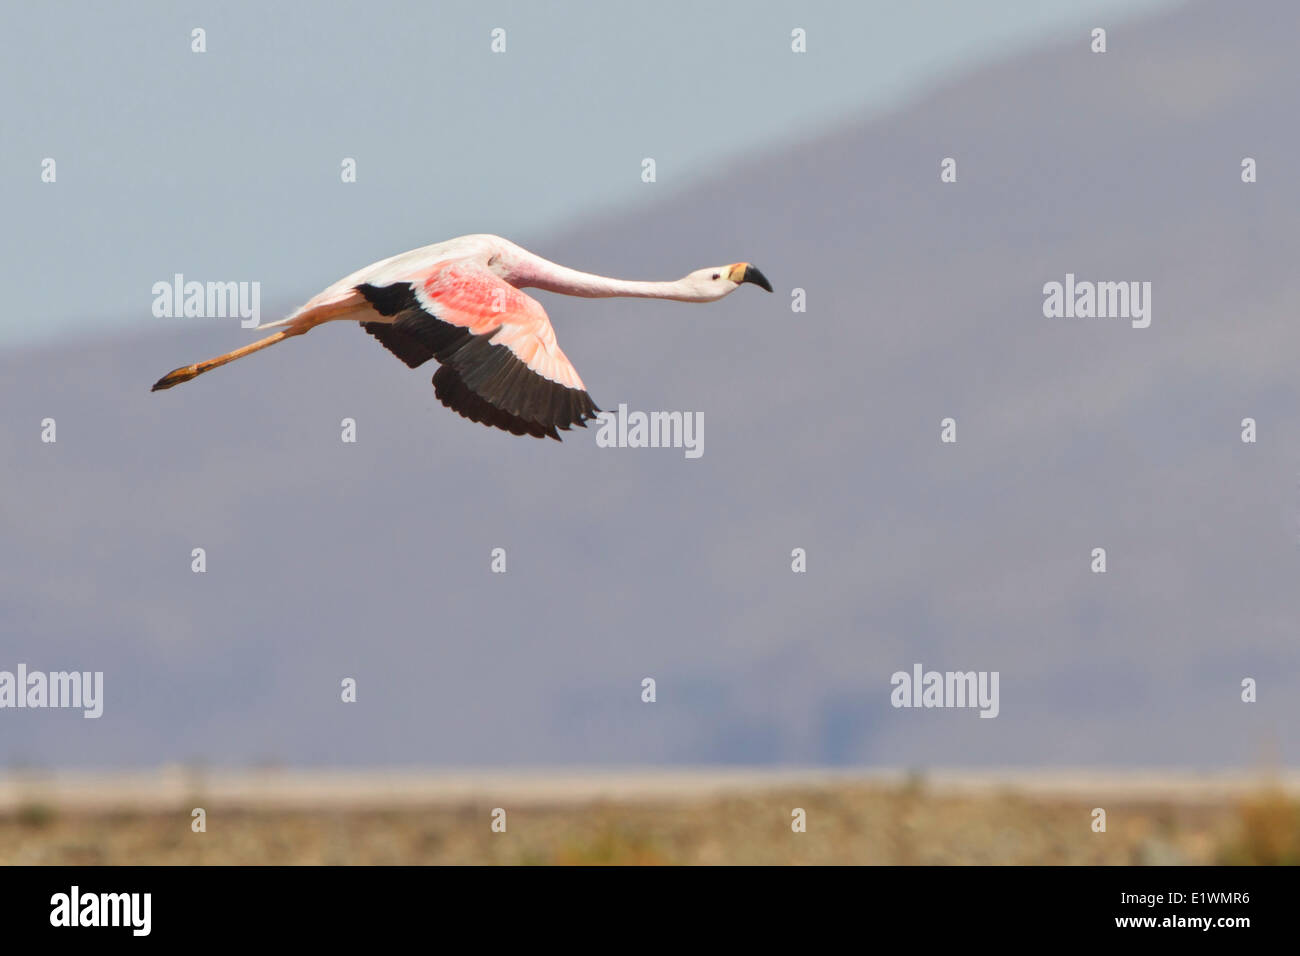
(717, 281)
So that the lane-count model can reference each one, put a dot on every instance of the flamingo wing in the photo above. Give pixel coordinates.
(499, 361)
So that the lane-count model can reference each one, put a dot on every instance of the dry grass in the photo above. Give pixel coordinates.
(1269, 832)
(847, 824)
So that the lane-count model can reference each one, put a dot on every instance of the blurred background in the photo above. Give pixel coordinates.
(371, 561)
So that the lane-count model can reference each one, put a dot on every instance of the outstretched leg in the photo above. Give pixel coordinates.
(184, 374)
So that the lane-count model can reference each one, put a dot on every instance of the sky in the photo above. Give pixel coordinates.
(226, 165)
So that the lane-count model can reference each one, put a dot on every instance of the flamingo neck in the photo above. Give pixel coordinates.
(551, 277)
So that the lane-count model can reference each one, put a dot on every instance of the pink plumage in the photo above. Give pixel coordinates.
(459, 303)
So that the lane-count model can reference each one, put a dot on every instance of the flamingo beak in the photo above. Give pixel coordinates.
(748, 273)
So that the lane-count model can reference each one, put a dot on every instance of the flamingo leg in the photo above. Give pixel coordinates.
(187, 372)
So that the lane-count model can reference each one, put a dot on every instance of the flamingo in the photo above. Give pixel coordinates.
(459, 302)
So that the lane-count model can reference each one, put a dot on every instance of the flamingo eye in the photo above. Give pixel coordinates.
(716, 274)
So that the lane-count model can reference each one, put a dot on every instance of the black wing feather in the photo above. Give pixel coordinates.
(483, 382)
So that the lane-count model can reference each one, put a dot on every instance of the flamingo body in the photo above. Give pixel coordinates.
(459, 302)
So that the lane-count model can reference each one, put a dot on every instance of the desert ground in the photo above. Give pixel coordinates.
(646, 817)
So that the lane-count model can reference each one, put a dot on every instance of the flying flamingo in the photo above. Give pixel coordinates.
(459, 302)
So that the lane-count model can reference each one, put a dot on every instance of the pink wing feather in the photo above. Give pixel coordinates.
(500, 363)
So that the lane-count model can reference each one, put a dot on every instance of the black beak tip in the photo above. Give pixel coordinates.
(756, 277)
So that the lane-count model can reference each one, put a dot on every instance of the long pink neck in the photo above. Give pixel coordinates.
(539, 273)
